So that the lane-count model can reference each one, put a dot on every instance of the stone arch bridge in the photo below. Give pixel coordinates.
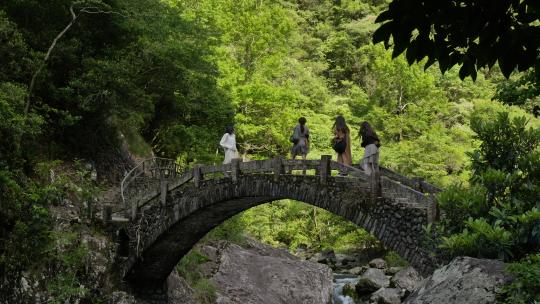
(167, 211)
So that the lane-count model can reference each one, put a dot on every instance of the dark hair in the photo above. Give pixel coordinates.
(340, 125)
(302, 121)
(367, 132)
(229, 129)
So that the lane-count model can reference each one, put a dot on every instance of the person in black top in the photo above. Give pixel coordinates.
(371, 143)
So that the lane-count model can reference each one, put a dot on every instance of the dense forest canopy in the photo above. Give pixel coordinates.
(79, 79)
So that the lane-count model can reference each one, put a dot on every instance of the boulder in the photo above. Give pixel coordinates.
(341, 259)
(378, 263)
(386, 296)
(393, 270)
(406, 280)
(348, 261)
(372, 280)
(355, 270)
(210, 251)
(265, 250)
(327, 257)
(464, 281)
(210, 267)
(246, 276)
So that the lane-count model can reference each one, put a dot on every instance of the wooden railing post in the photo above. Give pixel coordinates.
(197, 175)
(278, 167)
(235, 169)
(324, 169)
(375, 185)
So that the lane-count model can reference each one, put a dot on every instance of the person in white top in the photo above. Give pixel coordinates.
(228, 142)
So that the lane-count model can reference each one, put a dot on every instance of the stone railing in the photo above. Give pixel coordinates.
(146, 180)
(416, 183)
(156, 176)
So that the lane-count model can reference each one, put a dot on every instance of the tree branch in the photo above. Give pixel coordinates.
(74, 17)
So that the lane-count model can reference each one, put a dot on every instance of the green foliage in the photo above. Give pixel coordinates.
(67, 259)
(466, 33)
(525, 288)
(205, 291)
(497, 216)
(394, 260)
(30, 241)
(231, 230)
(523, 89)
(480, 238)
(504, 144)
(169, 75)
(291, 224)
(462, 203)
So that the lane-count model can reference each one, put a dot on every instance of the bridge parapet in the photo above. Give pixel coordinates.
(156, 176)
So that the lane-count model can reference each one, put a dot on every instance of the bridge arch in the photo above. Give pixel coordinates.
(167, 228)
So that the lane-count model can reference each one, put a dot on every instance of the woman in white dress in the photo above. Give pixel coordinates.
(228, 142)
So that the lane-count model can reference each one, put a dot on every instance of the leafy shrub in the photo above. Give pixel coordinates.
(497, 216)
(205, 291)
(67, 261)
(525, 288)
(394, 260)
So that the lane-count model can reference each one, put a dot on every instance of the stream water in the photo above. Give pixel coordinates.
(339, 281)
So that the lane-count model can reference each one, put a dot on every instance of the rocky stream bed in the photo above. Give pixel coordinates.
(259, 274)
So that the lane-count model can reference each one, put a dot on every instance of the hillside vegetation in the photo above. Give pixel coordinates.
(80, 78)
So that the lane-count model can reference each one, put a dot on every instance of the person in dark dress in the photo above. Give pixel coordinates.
(371, 143)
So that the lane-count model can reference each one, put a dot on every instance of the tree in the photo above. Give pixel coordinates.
(473, 33)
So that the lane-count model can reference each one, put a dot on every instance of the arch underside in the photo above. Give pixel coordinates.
(191, 212)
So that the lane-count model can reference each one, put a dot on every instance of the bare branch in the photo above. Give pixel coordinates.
(74, 17)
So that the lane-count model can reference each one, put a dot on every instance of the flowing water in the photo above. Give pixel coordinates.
(339, 281)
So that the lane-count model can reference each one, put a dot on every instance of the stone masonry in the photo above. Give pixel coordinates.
(165, 230)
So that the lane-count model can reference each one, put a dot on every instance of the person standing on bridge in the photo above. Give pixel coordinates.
(371, 143)
(342, 142)
(300, 139)
(228, 142)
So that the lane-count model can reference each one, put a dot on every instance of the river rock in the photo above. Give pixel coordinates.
(378, 263)
(372, 280)
(245, 276)
(211, 252)
(356, 270)
(386, 296)
(349, 260)
(328, 257)
(393, 270)
(406, 280)
(464, 281)
(341, 259)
